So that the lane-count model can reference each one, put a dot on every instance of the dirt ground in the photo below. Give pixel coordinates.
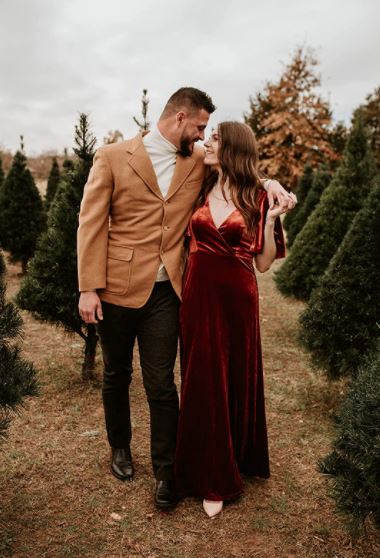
(58, 498)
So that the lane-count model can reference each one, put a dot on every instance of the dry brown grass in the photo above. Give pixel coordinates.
(57, 494)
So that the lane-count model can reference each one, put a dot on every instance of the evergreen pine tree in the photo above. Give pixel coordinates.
(17, 376)
(50, 289)
(354, 463)
(321, 179)
(339, 326)
(370, 113)
(2, 178)
(303, 187)
(22, 215)
(52, 185)
(338, 138)
(144, 123)
(2, 174)
(68, 164)
(321, 236)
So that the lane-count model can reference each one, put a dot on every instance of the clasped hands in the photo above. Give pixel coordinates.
(286, 201)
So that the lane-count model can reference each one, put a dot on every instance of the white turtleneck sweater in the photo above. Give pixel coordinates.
(163, 155)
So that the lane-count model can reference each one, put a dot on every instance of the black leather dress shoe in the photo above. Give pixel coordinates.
(121, 463)
(165, 496)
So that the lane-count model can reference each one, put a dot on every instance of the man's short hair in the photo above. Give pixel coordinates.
(188, 98)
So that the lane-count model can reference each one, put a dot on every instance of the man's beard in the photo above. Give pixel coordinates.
(186, 147)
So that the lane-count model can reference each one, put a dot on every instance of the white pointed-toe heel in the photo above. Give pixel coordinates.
(212, 507)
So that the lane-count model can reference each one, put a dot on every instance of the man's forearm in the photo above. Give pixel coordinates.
(265, 183)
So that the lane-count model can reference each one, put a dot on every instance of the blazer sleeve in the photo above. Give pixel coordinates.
(258, 241)
(94, 224)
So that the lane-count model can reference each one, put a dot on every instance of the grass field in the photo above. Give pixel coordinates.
(58, 498)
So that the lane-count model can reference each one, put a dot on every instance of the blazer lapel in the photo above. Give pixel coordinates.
(142, 165)
(183, 167)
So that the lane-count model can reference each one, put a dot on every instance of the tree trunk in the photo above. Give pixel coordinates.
(24, 264)
(88, 366)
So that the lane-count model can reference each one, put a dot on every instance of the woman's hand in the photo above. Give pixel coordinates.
(266, 258)
(275, 212)
(277, 193)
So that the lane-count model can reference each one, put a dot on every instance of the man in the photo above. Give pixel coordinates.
(135, 209)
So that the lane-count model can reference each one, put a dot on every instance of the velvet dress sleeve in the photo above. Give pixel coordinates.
(189, 241)
(258, 242)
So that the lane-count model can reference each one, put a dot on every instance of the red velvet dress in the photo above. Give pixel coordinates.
(222, 429)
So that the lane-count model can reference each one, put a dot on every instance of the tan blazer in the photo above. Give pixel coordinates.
(126, 227)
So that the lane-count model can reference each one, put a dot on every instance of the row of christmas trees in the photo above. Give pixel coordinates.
(18, 377)
(47, 231)
(334, 265)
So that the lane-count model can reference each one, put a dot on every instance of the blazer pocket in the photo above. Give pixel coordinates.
(119, 268)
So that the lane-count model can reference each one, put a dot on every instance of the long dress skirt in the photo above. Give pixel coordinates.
(222, 429)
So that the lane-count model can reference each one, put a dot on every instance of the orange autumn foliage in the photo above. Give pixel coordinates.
(292, 123)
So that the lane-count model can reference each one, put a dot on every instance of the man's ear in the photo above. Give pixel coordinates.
(180, 117)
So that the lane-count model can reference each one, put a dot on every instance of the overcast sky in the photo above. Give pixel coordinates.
(62, 57)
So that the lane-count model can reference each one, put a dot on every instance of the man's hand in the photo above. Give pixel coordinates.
(90, 307)
(286, 200)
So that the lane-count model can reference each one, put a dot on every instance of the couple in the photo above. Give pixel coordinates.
(145, 199)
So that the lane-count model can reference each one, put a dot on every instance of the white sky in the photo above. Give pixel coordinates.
(62, 57)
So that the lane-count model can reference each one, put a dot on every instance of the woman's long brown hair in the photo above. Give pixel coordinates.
(238, 158)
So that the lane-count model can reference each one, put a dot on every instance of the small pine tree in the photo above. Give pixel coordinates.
(339, 326)
(321, 179)
(22, 215)
(144, 124)
(50, 289)
(68, 164)
(303, 187)
(338, 139)
(52, 185)
(2, 174)
(2, 177)
(18, 377)
(370, 113)
(354, 463)
(321, 236)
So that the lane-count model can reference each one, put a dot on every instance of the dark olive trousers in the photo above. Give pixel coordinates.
(155, 326)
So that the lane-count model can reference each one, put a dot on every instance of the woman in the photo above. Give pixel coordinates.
(222, 428)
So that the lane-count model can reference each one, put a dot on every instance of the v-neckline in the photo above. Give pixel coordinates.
(212, 218)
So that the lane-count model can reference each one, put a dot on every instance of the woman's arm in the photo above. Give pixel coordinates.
(264, 260)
